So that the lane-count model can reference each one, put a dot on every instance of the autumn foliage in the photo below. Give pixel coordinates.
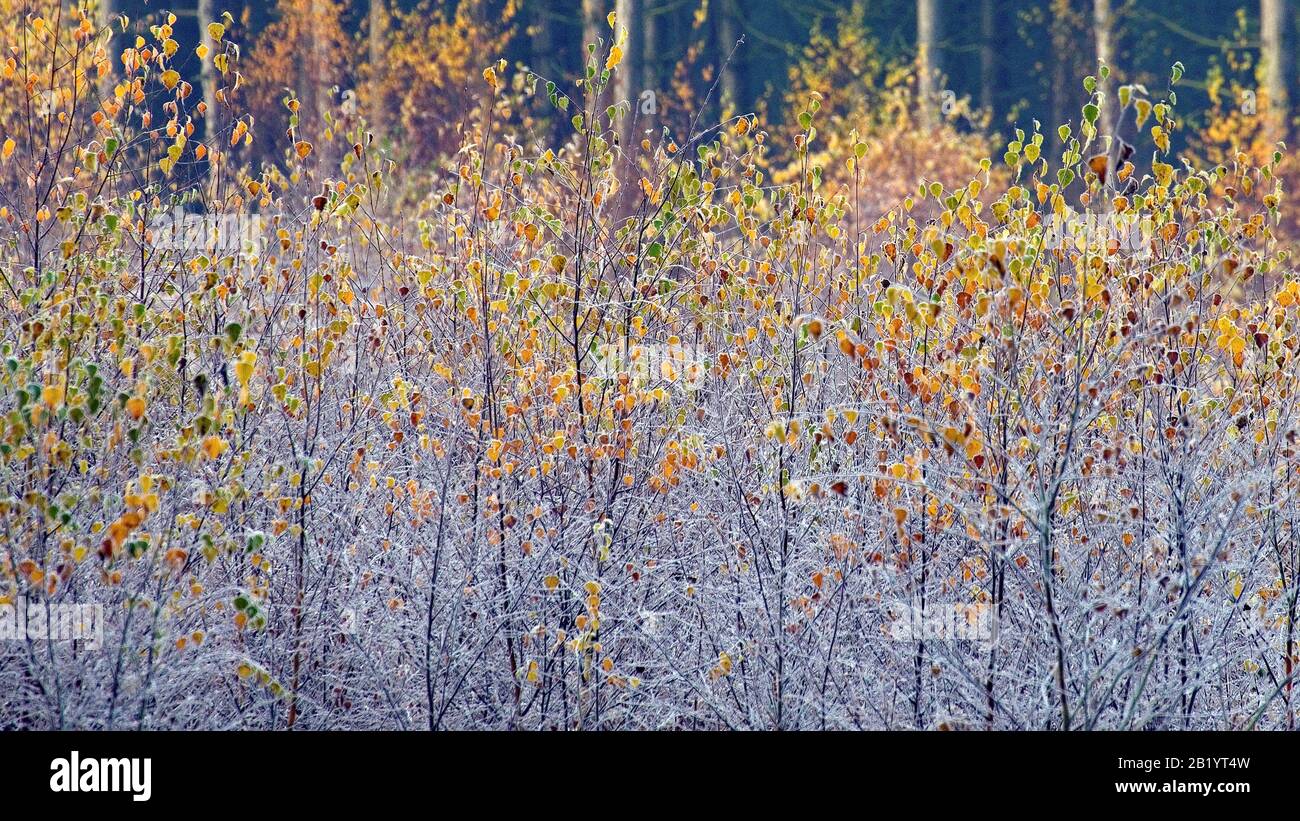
(608, 435)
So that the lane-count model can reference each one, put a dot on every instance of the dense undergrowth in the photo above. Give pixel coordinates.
(610, 433)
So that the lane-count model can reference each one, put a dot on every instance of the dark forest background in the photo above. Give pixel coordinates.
(1013, 62)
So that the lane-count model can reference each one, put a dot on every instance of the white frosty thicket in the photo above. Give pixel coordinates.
(613, 437)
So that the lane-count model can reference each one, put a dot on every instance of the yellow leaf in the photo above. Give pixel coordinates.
(1164, 172)
(216, 31)
(1160, 137)
(244, 367)
(8, 149)
(170, 78)
(52, 396)
(135, 407)
(303, 148)
(214, 446)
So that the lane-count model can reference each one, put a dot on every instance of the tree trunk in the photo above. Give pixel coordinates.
(1103, 25)
(1273, 60)
(627, 80)
(1062, 66)
(208, 73)
(988, 53)
(376, 40)
(627, 77)
(105, 18)
(725, 28)
(1103, 22)
(542, 43)
(928, 59)
(311, 70)
(593, 24)
(649, 48)
(106, 10)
